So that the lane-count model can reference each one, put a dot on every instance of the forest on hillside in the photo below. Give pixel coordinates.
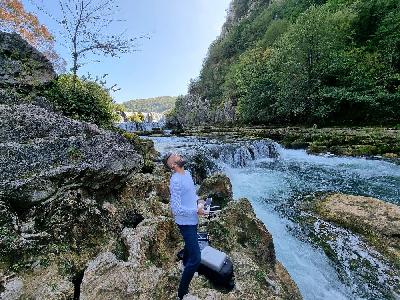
(157, 104)
(333, 62)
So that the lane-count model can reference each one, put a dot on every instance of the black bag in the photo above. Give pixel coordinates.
(223, 278)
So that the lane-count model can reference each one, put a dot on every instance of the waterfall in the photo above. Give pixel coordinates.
(243, 153)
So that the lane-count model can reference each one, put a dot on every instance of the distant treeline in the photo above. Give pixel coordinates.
(157, 104)
(306, 61)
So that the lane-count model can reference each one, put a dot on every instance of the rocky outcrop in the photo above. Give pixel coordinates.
(39, 284)
(152, 272)
(42, 150)
(376, 220)
(58, 179)
(357, 234)
(219, 187)
(54, 170)
(23, 69)
(143, 264)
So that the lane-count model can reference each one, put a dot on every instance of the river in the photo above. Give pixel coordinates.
(271, 176)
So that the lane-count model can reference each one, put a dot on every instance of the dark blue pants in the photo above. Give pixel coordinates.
(191, 257)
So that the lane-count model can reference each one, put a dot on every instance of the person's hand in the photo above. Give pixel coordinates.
(201, 211)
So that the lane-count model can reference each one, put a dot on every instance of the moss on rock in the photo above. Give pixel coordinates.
(376, 220)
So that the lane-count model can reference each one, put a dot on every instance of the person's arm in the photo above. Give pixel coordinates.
(176, 199)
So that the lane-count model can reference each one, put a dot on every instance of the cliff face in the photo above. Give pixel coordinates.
(197, 107)
(84, 212)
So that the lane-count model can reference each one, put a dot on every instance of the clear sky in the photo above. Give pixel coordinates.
(180, 34)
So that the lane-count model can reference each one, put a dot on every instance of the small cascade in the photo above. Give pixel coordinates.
(143, 126)
(243, 153)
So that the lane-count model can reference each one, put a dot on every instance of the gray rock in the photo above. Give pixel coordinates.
(42, 153)
(39, 284)
(12, 288)
(23, 69)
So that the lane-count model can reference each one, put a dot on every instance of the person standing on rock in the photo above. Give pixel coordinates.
(185, 209)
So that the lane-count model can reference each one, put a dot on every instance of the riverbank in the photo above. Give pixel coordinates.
(356, 141)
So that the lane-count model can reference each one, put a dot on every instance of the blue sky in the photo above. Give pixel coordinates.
(181, 32)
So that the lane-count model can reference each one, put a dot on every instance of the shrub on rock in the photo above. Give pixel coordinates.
(83, 100)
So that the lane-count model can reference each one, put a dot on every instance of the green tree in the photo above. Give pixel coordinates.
(136, 117)
(249, 84)
(83, 100)
(307, 57)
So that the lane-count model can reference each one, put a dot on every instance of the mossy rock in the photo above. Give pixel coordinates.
(219, 187)
(377, 221)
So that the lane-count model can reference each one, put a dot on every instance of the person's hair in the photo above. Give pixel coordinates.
(165, 159)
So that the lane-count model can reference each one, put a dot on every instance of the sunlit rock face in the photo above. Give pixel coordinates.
(377, 220)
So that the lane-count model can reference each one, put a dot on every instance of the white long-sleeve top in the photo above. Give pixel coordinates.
(183, 198)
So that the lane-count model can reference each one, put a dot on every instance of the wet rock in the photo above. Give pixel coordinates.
(376, 220)
(41, 151)
(364, 267)
(364, 141)
(219, 187)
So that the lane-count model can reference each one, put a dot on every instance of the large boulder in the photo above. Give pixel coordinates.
(23, 69)
(378, 221)
(41, 152)
(55, 175)
(149, 272)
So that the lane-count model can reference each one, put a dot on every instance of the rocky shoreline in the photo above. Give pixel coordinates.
(360, 141)
(137, 260)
